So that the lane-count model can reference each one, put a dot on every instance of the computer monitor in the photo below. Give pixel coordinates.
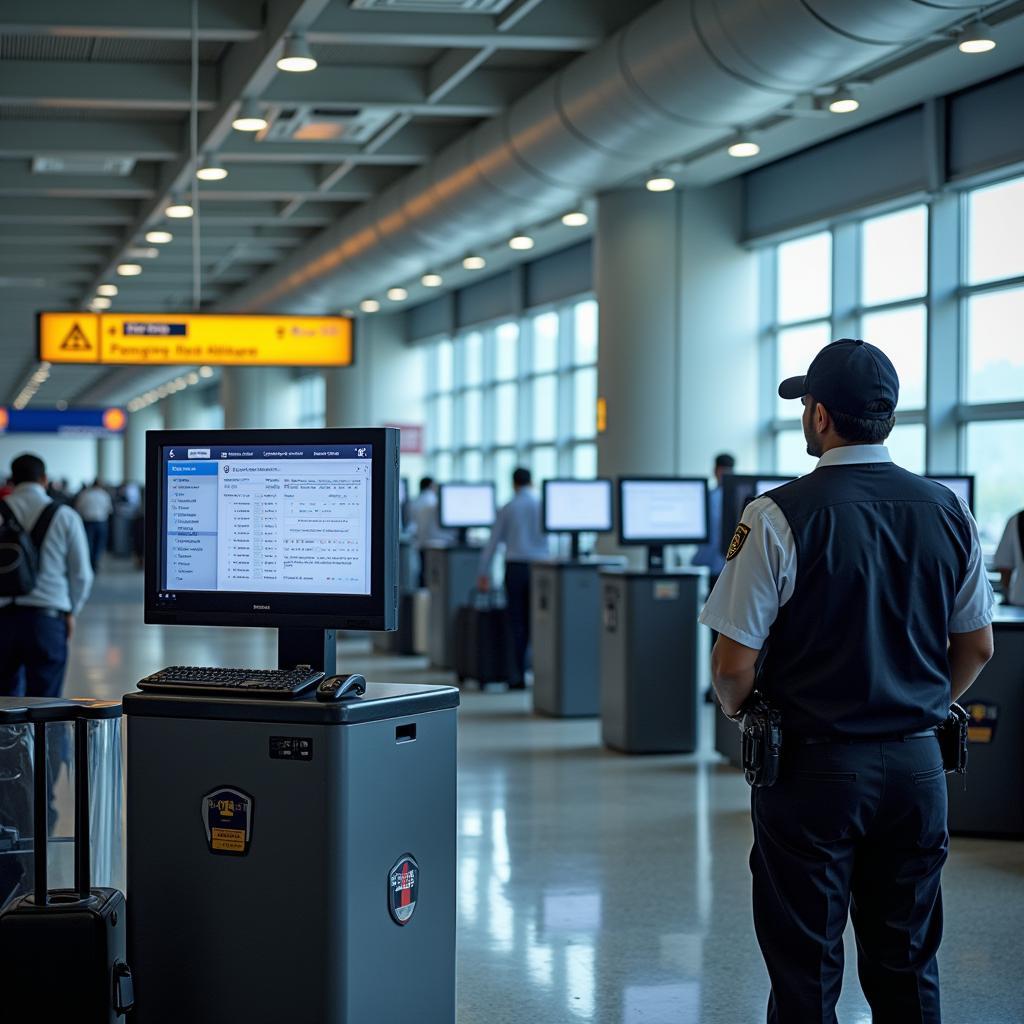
(738, 491)
(577, 506)
(290, 528)
(655, 511)
(961, 486)
(464, 507)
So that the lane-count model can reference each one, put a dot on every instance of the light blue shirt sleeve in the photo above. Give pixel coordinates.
(975, 602)
(757, 580)
(498, 536)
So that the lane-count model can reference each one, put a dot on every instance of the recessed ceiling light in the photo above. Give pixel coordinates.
(843, 102)
(660, 183)
(159, 237)
(431, 280)
(129, 269)
(297, 55)
(249, 118)
(397, 294)
(178, 209)
(369, 305)
(107, 290)
(101, 302)
(742, 148)
(521, 242)
(575, 219)
(205, 371)
(211, 169)
(975, 38)
(474, 263)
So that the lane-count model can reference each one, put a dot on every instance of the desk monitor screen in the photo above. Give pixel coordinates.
(961, 486)
(666, 510)
(738, 491)
(577, 506)
(294, 528)
(464, 506)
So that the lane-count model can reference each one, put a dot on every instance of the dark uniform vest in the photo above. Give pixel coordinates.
(860, 649)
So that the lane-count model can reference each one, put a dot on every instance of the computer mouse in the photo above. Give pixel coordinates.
(341, 687)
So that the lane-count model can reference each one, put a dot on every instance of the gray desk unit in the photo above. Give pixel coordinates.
(293, 860)
(565, 610)
(451, 574)
(653, 656)
(992, 802)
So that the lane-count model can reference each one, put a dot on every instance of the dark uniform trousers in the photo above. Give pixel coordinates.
(517, 593)
(852, 828)
(33, 651)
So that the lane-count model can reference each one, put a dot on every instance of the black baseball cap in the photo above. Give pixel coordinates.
(849, 376)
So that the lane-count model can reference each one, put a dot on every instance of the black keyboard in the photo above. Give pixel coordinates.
(273, 683)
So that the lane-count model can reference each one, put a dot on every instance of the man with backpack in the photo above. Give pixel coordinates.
(45, 579)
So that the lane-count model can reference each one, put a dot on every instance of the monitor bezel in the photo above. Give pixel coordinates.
(607, 481)
(969, 477)
(661, 541)
(376, 611)
(729, 522)
(444, 525)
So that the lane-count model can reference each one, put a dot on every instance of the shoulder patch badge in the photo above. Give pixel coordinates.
(739, 538)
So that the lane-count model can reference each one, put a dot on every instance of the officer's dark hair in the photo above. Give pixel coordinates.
(522, 478)
(426, 483)
(858, 430)
(28, 469)
(725, 461)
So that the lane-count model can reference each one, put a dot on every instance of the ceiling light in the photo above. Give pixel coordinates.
(474, 263)
(178, 209)
(211, 169)
(660, 183)
(296, 56)
(206, 371)
(431, 280)
(100, 302)
(397, 294)
(249, 118)
(107, 290)
(843, 102)
(521, 243)
(129, 269)
(369, 305)
(975, 38)
(575, 219)
(744, 147)
(159, 237)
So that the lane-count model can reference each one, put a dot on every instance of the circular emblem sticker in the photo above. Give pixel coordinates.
(403, 889)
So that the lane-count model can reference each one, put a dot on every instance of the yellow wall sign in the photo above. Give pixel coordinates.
(168, 339)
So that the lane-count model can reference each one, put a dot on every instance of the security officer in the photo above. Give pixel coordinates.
(518, 527)
(857, 596)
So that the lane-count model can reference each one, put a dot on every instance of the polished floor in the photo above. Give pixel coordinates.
(595, 887)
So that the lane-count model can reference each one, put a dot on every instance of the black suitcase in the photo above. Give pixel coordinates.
(62, 951)
(483, 640)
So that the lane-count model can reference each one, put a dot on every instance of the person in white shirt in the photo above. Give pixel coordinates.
(1009, 560)
(95, 507)
(35, 629)
(424, 525)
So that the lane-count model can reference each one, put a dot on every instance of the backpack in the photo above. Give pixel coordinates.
(19, 550)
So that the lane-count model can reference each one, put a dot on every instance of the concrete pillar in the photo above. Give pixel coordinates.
(637, 282)
(110, 459)
(182, 410)
(257, 397)
(134, 447)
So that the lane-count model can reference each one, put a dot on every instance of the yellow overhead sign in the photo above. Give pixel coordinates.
(167, 339)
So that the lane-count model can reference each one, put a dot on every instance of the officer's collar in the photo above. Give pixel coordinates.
(854, 454)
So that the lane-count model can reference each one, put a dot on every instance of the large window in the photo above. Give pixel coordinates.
(522, 392)
(954, 335)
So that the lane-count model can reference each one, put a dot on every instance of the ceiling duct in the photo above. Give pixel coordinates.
(681, 76)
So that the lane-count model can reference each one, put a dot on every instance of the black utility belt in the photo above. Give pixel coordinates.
(763, 740)
(813, 741)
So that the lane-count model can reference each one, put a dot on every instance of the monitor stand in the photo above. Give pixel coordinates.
(574, 547)
(314, 647)
(462, 537)
(656, 558)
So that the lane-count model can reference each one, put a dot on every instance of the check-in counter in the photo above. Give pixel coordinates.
(989, 800)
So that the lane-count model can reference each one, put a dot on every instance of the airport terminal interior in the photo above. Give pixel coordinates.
(308, 306)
